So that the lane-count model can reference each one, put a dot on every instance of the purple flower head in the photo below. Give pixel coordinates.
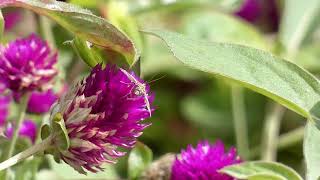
(250, 10)
(103, 112)
(4, 105)
(203, 162)
(28, 129)
(10, 19)
(41, 102)
(27, 64)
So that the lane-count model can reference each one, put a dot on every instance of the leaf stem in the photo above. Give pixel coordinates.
(27, 153)
(240, 122)
(271, 132)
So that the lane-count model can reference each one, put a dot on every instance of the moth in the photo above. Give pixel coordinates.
(139, 90)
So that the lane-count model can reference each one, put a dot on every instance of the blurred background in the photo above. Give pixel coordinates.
(191, 105)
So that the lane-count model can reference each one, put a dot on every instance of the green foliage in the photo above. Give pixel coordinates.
(311, 148)
(203, 25)
(87, 53)
(1, 25)
(139, 159)
(83, 23)
(59, 128)
(299, 20)
(258, 170)
(255, 69)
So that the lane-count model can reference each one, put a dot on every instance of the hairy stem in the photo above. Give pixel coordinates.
(17, 126)
(240, 122)
(271, 132)
(27, 153)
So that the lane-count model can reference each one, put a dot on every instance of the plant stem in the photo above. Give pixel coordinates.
(291, 138)
(27, 153)
(46, 31)
(22, 110)
(240, 123)
(286, 140)
(271, 132)
(17, 126)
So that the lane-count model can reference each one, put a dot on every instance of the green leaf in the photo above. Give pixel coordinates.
(83, 23)
(139, 159)
(259, 170)
(59, 128)
(311, 148)
(87, 53)
(45, 131)
(118, 14)
(299, 19)
(260, 71)
(219, 27)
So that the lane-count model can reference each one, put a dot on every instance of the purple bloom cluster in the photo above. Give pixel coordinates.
(41, 102)
(28, 129)
(27, 64)
(105, 111)
(203, 162)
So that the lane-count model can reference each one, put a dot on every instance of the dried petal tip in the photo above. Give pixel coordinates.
(105, 111)
(27, 64)
(204, 162)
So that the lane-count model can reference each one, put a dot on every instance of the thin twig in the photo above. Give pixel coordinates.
(271, 132)
(240, 122)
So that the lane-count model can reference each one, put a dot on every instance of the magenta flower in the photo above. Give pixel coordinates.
(250, 10)
(10, 19)
(105, 111)
(203, 162)
(4, 105)
(27, 64)
(28, 130)
(41, 102)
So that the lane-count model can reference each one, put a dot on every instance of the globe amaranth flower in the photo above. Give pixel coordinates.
(28, 129)
(41, 102)
(250, 10)
(203, 162)
(103, 112)
(4, 105)
(27, 64)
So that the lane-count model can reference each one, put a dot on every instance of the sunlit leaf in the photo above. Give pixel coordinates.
(261, 171)
(255, 69)
(83, 23)
(311, 148)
